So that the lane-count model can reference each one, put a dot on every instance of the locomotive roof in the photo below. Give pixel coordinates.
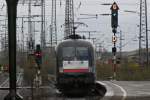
(73, 42)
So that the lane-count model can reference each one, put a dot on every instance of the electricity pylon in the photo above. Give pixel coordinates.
(43, 40)
(53, 27)
(69, 18)
(143, 36)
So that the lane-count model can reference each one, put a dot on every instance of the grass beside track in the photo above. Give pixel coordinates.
(125, 72)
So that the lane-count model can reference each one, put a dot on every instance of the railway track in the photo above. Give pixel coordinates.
(48, 91)
(51, 93)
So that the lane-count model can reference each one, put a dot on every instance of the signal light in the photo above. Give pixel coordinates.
(38, 58)
(38, 47)
(114, 15)
(38, 55)
(114, 19)
(114, 30)
(114, 6)
(114, 49)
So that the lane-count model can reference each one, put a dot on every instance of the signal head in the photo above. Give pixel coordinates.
(114, 7)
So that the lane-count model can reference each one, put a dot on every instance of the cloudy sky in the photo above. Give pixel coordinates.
(128, 22)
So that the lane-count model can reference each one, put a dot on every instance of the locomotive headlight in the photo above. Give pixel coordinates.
(60, 69)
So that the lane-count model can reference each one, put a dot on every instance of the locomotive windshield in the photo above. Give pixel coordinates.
(68, 53)
(78, 53)
(82, 53)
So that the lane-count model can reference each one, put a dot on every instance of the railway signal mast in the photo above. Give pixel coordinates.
(114, 24)
(69, 18)
(143, 36)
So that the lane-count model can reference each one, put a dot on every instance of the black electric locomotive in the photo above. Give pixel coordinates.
(75, 70)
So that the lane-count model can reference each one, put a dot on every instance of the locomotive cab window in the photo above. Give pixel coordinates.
(68, 53)
(78, 53)
(82, 53)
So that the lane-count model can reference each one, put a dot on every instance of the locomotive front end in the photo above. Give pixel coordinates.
(75, 65)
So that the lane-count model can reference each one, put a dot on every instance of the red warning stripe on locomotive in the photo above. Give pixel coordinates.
(75, 70)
